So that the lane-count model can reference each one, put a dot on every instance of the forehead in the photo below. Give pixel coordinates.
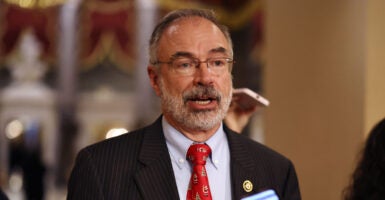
(195, 35)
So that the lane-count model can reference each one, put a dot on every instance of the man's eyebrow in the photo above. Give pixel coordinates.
(188, 54)
(219, 50)
(181, 54)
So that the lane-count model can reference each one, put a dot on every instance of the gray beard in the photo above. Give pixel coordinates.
(197, 120)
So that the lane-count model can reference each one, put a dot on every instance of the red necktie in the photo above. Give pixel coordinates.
(199, 183)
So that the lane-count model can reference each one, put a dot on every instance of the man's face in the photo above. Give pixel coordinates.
(195, 101)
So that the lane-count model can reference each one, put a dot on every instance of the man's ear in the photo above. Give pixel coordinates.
(153, 74)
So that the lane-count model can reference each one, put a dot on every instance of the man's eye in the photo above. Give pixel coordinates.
(218, 62)
(184, 64)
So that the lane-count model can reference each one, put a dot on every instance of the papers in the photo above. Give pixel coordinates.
(265, 195)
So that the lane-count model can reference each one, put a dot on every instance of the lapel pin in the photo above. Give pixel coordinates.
(247, 186)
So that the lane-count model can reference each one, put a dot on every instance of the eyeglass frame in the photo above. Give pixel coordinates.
(197, 63)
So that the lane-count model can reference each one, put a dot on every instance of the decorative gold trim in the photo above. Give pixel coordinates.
(108, 49)
(33, 4)
(49, 31)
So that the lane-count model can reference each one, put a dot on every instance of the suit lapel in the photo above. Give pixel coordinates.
(156, 179)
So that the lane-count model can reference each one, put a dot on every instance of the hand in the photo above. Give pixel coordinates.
(238, 116)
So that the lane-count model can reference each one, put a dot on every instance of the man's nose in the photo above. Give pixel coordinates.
(203, 74)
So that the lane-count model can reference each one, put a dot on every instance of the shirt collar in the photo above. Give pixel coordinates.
(178, 145)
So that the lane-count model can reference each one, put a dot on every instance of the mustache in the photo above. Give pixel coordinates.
(202, 92)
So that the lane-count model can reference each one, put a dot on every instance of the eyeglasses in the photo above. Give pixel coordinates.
(188, 66)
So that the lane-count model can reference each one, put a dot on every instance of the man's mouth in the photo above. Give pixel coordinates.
(202, 98)
(202, 101)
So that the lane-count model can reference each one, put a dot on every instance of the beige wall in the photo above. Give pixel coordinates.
(323, 77)
(375, 73)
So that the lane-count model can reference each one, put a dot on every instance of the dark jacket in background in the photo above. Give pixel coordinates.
(2, 195)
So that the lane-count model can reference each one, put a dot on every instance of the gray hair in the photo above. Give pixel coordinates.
(183, 13)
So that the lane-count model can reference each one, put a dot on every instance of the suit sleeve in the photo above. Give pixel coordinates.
(291, 189)
(84, 183)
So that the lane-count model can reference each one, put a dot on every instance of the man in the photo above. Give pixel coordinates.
(190, 70)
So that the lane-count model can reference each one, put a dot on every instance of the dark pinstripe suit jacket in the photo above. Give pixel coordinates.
(138, 166)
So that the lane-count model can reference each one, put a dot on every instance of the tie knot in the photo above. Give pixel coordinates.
(198, 153)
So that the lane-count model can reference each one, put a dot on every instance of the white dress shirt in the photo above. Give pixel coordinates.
(217, 165)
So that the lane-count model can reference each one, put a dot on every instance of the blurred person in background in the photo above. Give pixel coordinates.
(368, 179)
